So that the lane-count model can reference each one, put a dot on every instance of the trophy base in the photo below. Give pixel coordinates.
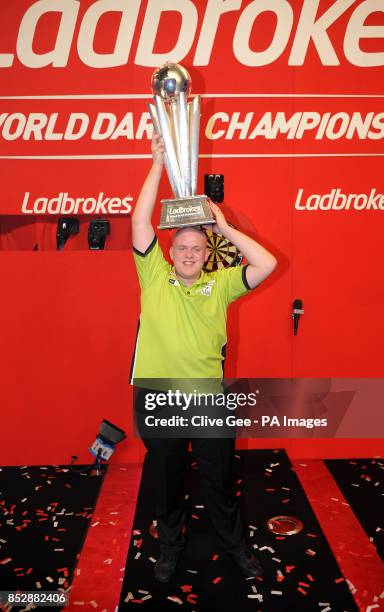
(185, 212)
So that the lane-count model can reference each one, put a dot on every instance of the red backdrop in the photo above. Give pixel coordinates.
(292, 107)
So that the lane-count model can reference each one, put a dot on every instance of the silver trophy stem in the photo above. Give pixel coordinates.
(174, 122)
(184, 144)
(169, 147)
(155, 121)
(194, 120)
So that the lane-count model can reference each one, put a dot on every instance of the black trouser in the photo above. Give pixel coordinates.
(168, 464)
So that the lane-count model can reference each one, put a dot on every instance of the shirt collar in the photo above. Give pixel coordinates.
(200, 281)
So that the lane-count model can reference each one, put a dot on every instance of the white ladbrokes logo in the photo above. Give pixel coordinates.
(63, 204)
(337, 200)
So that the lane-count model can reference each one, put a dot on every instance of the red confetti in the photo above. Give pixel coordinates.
(310, 578)
(339, 580)
(216, 580)
(304, 584)
(186, 588)
(215, 557)
(191, 598)
(302, 591)
(289, 568)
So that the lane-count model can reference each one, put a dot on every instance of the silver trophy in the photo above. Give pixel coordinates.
(178, 122)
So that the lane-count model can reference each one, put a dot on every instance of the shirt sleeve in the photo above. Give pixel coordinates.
(234, 282)
(149, 264)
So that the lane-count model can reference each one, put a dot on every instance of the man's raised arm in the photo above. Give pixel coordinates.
(142, 229)
(261, 262)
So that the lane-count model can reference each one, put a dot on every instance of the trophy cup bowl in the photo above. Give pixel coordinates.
(178, 123)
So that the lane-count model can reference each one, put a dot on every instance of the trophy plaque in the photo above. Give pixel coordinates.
(178, 122)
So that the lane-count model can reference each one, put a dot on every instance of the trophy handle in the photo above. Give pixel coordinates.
(194, 123)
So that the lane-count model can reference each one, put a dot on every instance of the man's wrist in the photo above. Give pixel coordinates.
(158, 165)
(227, 232)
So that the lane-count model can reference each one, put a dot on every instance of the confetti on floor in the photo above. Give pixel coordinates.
(362, 483)
(43, 524)
(297, 573)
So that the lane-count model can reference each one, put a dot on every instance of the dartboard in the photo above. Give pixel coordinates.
(222, 253)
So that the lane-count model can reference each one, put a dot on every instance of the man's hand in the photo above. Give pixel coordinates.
(221, 225)
(158, 149)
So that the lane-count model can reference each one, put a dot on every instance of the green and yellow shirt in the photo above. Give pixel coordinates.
(182, 330)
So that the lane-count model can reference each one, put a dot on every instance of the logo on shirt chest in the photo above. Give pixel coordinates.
(207, 289)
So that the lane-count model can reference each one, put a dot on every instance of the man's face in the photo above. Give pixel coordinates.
(188, 253)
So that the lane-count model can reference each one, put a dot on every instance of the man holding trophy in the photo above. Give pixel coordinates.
(182, 328)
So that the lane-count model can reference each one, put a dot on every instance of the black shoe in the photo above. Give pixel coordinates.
(247, 562)
(165, 568)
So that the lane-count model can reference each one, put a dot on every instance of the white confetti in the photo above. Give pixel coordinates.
(175, 599)
(352, 588)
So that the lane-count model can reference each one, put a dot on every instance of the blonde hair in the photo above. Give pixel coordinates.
(194, 228)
